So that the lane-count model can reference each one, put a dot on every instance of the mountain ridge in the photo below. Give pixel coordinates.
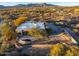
(28, 5)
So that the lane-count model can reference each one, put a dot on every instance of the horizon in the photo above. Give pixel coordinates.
(53, 3)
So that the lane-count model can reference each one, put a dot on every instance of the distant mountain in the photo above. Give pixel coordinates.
(28, 5)
(1, 6)
(19, 5)
(33, 4)
(39, 4)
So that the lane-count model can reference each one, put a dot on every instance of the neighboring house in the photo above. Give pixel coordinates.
(29, 25)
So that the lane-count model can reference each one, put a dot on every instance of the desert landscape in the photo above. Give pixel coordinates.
(39, 29)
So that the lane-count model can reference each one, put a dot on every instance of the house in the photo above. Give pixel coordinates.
(28, 25)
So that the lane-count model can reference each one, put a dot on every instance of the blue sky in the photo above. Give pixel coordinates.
(55, 3)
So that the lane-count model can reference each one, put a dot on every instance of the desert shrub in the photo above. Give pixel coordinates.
(57, 49)
(8, 35)
(20, 20)
(36, 33)
(72, 51)
(61, 49)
